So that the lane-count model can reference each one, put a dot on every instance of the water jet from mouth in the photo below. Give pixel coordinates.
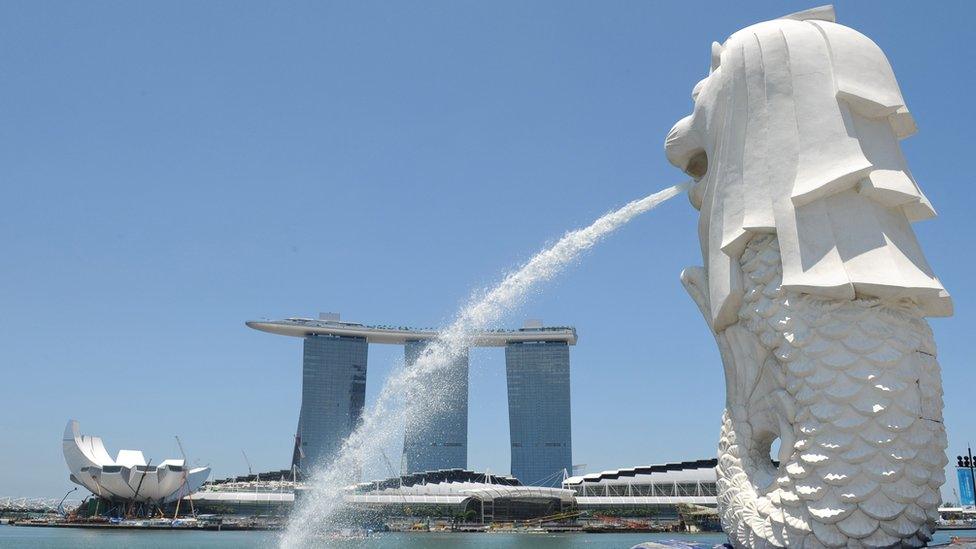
(315, 511)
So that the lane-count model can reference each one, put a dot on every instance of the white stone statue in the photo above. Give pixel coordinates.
(816, 289)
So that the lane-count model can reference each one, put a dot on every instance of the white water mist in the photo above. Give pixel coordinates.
(377, 428)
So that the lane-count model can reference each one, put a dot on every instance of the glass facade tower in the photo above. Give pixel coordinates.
(436, 434)
(436, 415)
(538, 411)
(333, 395)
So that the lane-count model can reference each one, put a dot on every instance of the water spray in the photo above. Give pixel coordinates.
(315, 511)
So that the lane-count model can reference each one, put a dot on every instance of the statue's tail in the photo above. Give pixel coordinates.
(853, 391)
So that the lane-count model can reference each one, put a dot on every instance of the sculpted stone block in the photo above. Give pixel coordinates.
(815, 288)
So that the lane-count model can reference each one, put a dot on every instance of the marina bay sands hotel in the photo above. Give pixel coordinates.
(334, 393)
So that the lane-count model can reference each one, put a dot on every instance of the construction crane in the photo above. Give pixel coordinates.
(135, 497)
(185, 486)
(389, 464)
(558, 517)
(60, 508)
(248, 462)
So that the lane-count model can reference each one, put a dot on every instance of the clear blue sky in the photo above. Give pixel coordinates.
(170, 170)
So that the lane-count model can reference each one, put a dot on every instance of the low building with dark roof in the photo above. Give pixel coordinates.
(647, 490)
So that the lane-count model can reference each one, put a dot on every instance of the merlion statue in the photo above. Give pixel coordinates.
(816, 289)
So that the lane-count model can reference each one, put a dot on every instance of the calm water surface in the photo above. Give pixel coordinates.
(63, 538)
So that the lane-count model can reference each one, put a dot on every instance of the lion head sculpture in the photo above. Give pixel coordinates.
(795, 131)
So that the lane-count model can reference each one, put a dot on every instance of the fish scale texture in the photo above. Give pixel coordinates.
(862, 384)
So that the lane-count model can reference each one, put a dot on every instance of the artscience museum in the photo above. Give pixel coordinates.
(128, 478)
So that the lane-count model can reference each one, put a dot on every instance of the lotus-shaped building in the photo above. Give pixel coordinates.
(128, 477)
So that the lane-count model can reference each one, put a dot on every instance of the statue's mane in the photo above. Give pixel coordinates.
(801, 122)
(819, 13)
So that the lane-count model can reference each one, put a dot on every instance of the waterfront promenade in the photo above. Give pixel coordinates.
(64, 538)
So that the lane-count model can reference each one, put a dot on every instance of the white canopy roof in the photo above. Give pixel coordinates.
(128, 476)
(456, 492)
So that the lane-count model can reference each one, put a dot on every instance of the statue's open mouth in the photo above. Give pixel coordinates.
(684, 150)
(697, 165)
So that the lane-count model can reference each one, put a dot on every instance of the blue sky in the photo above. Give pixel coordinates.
(170, 170)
